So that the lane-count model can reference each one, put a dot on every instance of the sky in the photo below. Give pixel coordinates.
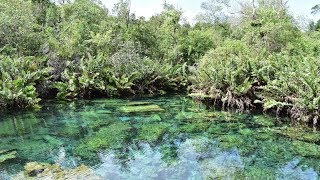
(191, 8)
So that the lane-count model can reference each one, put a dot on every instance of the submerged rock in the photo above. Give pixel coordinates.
(7, 155)
(140, 109)
(35, 170)
(138, 103)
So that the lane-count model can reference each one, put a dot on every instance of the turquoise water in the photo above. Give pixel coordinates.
(157, 138)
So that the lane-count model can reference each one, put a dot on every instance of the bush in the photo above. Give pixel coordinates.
(18, 80)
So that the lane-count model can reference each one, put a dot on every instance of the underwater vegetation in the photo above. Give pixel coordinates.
(140, 109)
(63, 62)
(152, 132)
(183, 140)
(113, 137)
(7, 155)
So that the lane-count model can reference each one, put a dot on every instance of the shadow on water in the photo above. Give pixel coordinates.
(156, 138)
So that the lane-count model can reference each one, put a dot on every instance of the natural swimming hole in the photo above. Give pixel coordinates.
(166, 137)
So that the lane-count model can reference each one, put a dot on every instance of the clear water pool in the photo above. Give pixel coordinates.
(156, 138)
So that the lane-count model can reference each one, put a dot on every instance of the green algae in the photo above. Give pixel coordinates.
(34, 149)
(52, 140)
(231, 141)
(98, 123)
(140, 109)
(16, 126)
(152, 132)
(263, 120)
(306, 149)
(111, 137)
(6, 155)
(301, 134)
(195, 116)
(246, 131)
(257, 173)
(71, 130)
(94, 120)
(225, 128)
(104, 111)
(263, 136)
(155, 118)
(84, 131)
(194, 127)
(187, 115)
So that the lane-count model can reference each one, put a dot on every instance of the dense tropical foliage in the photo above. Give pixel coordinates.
(257, 58)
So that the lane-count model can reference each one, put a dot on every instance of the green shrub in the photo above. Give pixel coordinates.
(18, 80)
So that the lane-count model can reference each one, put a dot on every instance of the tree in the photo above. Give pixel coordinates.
(277, 4)
(122, 10)
(213, 11)
(315, 9)
(314, 26)
(19, 29)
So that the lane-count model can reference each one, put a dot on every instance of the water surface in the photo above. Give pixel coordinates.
(157, 138)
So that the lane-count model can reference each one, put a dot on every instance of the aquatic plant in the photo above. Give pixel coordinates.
(151, 132)
(300, 134)
(156, 145)
(140, 109)
(20, 124)
(111, 137)
(7, 155)
(306, 149)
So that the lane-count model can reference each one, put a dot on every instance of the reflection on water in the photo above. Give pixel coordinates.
(159, 138)
(197, 158)
(293, 171)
